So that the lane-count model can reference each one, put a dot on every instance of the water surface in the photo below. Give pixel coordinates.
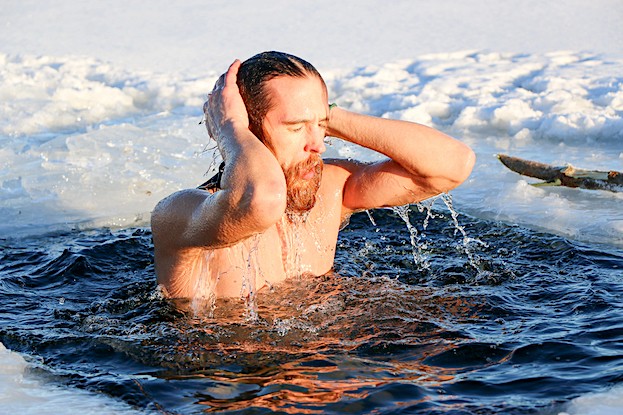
(507, 320)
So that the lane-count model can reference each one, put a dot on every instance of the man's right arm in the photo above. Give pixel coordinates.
(253, 189)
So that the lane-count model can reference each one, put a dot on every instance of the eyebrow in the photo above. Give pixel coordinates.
(303, 121)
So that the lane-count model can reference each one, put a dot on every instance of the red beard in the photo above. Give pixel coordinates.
(302, 192)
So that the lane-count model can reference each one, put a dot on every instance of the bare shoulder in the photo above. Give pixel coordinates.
(173, 214)
(178, 204)
(338, 171)
(343, 166)
(336, 174)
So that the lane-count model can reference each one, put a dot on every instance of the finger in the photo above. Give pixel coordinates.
(232, 73)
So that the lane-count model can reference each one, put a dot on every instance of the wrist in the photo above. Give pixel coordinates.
(335, 113)
(235, 129)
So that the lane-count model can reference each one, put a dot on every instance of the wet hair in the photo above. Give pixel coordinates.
(256, 71)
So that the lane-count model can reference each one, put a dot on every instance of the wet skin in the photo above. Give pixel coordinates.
(280, 208)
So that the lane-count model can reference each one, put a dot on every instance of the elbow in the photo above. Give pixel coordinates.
(466, 166)
(459, 172)
(266, 203)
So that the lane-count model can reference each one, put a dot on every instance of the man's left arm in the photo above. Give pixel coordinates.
(423, 162)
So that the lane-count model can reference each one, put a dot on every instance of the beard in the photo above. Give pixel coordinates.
(302, 192)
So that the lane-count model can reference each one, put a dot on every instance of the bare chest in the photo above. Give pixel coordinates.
(288, 248)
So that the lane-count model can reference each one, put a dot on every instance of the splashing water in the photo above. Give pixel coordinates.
(292, 227)
(419, 245)
(241, 257)
(204, 301)
(428, 208)
(249, 279)
(419, 258)
(468, 243)
(371, 218)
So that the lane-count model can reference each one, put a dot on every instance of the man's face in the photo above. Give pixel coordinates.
(294, 129)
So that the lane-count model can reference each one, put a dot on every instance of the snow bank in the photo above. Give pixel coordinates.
(85, 143)
(21, 393)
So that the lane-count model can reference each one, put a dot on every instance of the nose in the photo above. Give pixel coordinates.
(315, 140)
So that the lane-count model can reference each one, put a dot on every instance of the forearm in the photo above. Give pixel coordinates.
(422, 151)
(253, 183)
(247, 160)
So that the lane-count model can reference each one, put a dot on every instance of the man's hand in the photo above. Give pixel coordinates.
(225, 108)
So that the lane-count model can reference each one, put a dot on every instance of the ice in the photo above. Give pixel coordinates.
(92, 144)
(22, 392)
(603, 403)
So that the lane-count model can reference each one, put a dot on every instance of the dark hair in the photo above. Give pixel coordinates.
(261, 68)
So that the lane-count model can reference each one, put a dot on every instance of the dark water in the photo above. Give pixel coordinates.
(512, 322)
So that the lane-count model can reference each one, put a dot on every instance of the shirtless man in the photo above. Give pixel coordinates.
(278, 207)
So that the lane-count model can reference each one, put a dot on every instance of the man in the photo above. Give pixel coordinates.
(276, 208)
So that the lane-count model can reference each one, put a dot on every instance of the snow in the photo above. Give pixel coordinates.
(25, 393)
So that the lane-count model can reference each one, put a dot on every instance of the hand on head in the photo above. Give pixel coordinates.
(225, 106)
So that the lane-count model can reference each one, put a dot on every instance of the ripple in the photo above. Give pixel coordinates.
(524, 322)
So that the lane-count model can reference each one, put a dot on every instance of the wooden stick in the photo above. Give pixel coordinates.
(568, 175)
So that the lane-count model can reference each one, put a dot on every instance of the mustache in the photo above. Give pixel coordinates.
(296, 171)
